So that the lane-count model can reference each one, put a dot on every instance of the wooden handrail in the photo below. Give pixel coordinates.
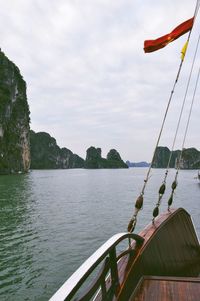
(98, 282)
(73, 284)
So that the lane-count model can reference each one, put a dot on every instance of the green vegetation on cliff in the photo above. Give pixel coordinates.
(94, 159)
(190, 158)
(46, 154)
(14, 119)
(114, 160)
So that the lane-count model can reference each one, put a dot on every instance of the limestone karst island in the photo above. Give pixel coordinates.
(21, 149)
(14, 119)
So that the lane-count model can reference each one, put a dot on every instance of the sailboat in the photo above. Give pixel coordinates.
(162, 262)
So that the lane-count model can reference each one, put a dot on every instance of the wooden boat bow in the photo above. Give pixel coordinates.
(167, 248)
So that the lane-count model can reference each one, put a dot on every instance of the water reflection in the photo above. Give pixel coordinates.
(51, 221)
(17, 234)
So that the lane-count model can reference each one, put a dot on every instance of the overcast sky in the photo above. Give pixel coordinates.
(88, 79)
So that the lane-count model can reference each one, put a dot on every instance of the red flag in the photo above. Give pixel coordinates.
(153, 45)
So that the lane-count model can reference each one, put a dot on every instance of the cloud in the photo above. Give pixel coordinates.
(88, 80)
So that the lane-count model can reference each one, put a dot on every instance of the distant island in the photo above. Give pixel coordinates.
(22, 149)
(190, 159)
(94, 159)
(137, 164)
(46, 154)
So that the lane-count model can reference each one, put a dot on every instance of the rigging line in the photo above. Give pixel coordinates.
(168, 105)
(162, 126)
(196, 8)
(139, 200)
(190, 113)
(195, 15)
(174, 184)
(169, 102)
(184, 100)
(163, 186)
(194, 58)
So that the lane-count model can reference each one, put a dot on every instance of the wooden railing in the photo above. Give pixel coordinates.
(106, 256)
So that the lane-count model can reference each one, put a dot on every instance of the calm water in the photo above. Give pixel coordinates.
(50, 221)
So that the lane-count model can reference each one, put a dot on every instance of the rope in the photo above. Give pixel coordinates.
(189, 117)
(188, 83)
(163, 186)
(197, 8)
(174, 184)
(140, 199)
(183, 105)
(195, 14)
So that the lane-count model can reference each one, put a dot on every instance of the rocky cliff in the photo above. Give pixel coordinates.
(94, 159)
(46, 154)
(14, 119)
(114, 160)
(190, 158)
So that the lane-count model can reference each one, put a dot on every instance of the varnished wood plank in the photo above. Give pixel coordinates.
(167, 289)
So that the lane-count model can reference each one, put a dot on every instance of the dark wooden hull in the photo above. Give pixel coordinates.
(171, 248)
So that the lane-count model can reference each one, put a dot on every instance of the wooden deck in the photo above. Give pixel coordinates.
(170, 249)
(167, 289)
